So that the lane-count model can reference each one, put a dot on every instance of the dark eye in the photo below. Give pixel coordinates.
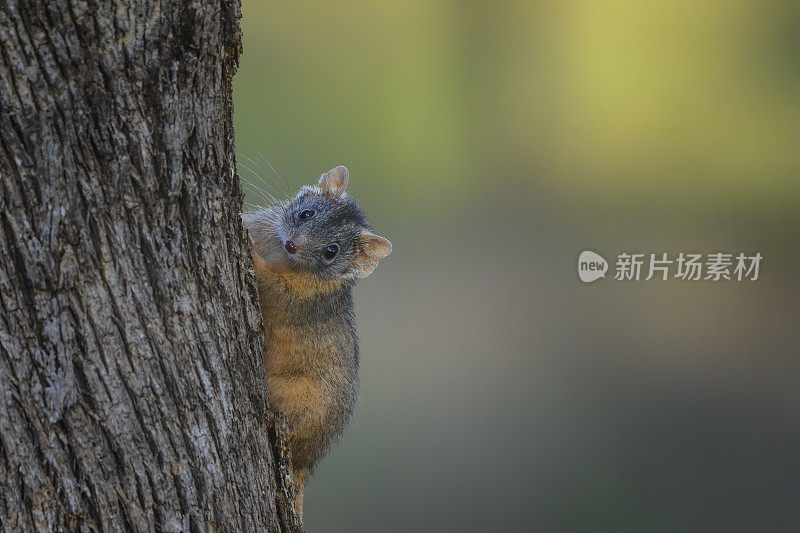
(305, 214)
(330, 252)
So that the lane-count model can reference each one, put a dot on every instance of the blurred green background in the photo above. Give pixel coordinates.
(492, 143)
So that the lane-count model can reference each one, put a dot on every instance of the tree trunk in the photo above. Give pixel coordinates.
(132, 390)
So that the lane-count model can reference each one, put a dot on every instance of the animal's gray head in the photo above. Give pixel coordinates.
(322, 230)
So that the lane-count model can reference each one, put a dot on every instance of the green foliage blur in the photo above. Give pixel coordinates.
(492, 142)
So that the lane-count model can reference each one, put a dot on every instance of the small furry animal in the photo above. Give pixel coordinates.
(307, 254)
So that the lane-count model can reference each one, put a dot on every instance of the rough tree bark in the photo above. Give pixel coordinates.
(132, 391)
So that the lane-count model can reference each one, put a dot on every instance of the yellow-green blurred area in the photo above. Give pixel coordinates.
(492, 143)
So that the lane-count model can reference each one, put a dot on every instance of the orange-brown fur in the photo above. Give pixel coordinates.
(301, 365)
(315, 246)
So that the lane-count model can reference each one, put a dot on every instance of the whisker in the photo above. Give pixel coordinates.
(246, 184)
(263, 193)
(249, 187)
(256, 174)
(256, 164)
(288, 191)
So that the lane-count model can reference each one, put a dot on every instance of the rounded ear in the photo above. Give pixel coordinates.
(371, 249)
(334, 182)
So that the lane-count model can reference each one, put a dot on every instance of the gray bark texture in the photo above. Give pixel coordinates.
(132, 388)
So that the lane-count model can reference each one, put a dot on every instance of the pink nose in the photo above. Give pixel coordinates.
(289, 245)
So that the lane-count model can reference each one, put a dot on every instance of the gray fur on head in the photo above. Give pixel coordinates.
(318, 220)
